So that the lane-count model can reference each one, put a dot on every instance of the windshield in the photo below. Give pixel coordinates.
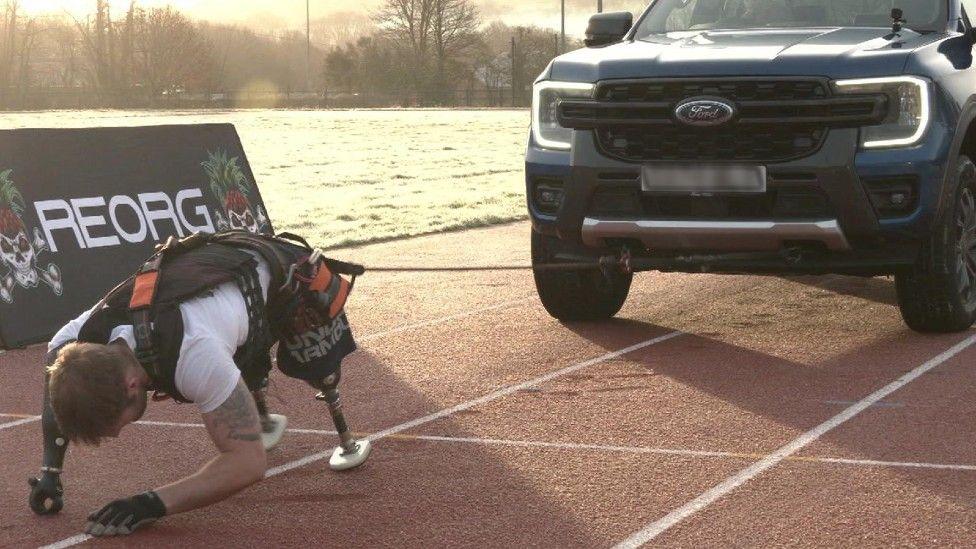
(690, 15)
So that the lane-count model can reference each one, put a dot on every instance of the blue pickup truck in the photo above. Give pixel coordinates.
(761, 136)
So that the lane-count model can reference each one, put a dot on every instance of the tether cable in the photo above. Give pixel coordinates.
(606, 264)
(624, 263)
(541, 267)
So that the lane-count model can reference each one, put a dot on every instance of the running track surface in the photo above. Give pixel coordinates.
(715, 411)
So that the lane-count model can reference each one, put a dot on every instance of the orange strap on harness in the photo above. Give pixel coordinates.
(147, 279)
(333, 286)
(144, 292)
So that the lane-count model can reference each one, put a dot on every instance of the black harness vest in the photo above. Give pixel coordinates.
(303, 286)
(186, 276)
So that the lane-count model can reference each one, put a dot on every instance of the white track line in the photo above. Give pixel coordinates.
(202, 426)
(171, 424)
(717, 492)
(505, 391)
(81, 538)
(23, 421)
(687, 453)
(442, 320)
(682, 452)
(904, 464)
(68, 542)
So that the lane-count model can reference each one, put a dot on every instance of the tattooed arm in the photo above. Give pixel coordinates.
(236, 431)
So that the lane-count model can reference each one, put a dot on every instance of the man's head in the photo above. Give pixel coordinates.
(96, 390)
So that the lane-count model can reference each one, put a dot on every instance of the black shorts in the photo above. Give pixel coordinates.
(318, 353)
(310, 353)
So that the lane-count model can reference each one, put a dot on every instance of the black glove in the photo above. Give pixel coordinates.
(124, 516)
(46, 495)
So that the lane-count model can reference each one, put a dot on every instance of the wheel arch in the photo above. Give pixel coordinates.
(963, 142)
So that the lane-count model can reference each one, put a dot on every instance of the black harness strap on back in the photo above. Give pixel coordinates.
(256, 350)
(303, 308)
(140, 311)
(252, 358)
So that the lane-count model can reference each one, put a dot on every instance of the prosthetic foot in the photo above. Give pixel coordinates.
(272, 425)
(272, 428)
(350, 453)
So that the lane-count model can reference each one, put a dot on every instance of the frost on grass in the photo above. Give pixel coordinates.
(348, 177)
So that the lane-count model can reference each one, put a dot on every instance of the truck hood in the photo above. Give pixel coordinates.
(834, 53)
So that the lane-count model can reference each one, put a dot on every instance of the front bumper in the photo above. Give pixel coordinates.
(676, 235)
(854, 238)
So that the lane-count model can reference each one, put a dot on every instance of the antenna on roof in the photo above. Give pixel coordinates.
(897, 21)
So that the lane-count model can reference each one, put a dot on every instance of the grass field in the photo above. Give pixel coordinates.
(345, 177)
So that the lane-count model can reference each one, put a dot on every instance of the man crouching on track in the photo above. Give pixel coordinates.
(196, 324)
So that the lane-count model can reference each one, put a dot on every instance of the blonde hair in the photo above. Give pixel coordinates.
(87, 391)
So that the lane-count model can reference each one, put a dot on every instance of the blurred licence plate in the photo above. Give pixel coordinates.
(710, 179)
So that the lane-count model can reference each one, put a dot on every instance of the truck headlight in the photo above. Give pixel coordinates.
(909, 109)
(545, 124)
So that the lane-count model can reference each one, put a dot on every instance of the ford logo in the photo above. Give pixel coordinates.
(701, 111)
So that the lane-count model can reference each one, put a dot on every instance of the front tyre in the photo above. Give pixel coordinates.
(938, 295)
(576, 295)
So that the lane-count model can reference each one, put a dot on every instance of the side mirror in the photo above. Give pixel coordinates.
(608, 28)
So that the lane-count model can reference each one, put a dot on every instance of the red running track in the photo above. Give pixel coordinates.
(512, 429)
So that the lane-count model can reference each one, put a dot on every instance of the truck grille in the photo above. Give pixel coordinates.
(737, 90)
(776, 119)
(764, 143)
(786, 200)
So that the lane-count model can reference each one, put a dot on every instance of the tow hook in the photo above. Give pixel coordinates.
(617, 264)
(793, 255)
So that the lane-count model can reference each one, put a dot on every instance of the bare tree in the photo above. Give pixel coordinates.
(454, 29)
(171, 55)
(66, 42)
(25, 50)
(19, 37)
(108, 47)
(408, 24)
(8, 46)
(436, 33)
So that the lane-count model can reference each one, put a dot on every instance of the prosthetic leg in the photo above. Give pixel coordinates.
(350, 453)
(272, 425)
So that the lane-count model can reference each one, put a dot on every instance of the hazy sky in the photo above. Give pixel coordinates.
(291, 13)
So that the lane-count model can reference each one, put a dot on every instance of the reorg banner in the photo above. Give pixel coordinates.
(81, 209)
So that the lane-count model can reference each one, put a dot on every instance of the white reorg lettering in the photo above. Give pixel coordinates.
(49, 225)
(113, 206)
(188, 212)
(166, 213)
(85, 222)
(200, 210)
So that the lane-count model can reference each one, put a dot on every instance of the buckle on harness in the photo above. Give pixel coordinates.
(320, 290)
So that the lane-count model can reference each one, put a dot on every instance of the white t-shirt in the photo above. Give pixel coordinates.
(214, 326)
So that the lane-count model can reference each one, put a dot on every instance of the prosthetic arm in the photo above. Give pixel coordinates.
(47, 494)
(350, 453)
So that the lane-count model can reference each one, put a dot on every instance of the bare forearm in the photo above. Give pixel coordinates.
(236, 431)
(216, 481)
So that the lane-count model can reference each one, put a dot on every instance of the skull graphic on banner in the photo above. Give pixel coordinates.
(231, 187)
(20, 248)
